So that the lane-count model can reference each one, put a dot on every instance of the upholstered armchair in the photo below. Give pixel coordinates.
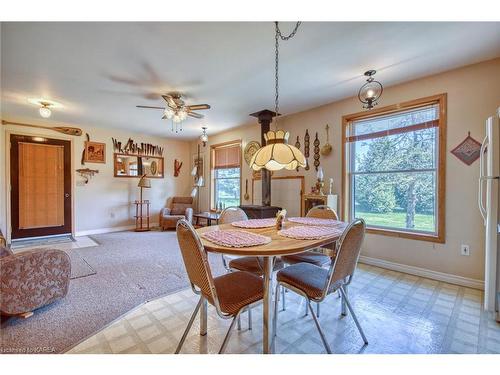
(180, 208)
(32, 279)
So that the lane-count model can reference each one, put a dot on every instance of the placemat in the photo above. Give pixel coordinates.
(235, 238)
(255, 223)
(308, 232)
(317, 221)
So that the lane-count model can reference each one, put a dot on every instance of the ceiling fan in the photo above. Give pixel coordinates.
(176, 109)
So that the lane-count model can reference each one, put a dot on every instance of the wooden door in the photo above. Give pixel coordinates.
(40, 170)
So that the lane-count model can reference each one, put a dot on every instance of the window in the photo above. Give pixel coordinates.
(226, 170)
(394, 164)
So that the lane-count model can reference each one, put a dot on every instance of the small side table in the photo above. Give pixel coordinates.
(142, 216)
(208, 216)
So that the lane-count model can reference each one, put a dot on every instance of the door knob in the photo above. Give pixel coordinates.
(66, 195)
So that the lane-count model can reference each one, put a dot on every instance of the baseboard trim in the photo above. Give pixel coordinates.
(422, 272)
(109, 230)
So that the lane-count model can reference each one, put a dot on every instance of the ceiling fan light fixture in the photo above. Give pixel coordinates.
(176, 110)
(169, 113)
(182, 114)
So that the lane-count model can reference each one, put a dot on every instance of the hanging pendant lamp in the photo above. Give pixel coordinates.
(371, 91)
(277, 153)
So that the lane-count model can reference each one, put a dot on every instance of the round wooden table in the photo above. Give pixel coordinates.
(278, 246)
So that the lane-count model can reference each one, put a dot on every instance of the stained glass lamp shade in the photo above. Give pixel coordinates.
(277, 154)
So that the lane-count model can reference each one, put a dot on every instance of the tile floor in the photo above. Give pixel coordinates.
(400, 313)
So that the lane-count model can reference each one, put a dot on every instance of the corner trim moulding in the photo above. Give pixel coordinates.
(422, 272)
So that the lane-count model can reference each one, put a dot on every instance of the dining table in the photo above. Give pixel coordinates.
(277, 247)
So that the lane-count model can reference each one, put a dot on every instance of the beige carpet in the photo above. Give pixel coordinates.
(79, 266)
(131, 268)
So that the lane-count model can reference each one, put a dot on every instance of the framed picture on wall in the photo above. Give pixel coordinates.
(95, 152)
(199, 163)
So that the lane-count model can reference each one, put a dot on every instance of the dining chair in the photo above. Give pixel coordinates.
(311, 256)
(230, 294)
(227, 216)
(251, 264)
(316, 256)
(316, 283)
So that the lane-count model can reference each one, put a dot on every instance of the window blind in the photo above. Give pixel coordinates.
(396, 123)
(227, 157)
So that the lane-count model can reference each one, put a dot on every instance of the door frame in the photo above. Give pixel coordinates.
(8, 133)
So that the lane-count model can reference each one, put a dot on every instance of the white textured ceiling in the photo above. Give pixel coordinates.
(101, 71)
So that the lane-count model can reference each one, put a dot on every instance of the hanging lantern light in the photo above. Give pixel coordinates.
(277, 153)
(371, 91)
(204, 137)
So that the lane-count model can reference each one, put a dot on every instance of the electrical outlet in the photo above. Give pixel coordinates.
(465, 250)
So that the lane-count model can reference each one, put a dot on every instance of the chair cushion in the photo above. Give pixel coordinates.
(237, 290)
(188, 200)
(252, 264)
(179, 209)
(311, 257)
(173, 218)
(307, 277)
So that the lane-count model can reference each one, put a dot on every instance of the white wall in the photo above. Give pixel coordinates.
(473, 95)
(106, 201)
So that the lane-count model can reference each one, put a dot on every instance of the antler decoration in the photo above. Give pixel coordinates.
(131, 148)
(177, 167)
(86, 173)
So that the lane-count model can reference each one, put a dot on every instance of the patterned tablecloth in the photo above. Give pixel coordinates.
(235, 238)
(255, 223)
(303, 232)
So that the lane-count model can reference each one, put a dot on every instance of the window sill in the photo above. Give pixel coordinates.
(408, 235)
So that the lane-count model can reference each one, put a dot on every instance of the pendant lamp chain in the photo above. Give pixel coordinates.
(277, 37)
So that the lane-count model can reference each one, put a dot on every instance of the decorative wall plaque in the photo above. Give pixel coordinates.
(95, 152)
(306, 149)
(467, 151)
(316, 151)
(250, 149)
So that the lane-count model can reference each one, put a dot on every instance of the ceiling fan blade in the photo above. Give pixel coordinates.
(195, 115)
(147, 106)
(170, 101)
(197, 107)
